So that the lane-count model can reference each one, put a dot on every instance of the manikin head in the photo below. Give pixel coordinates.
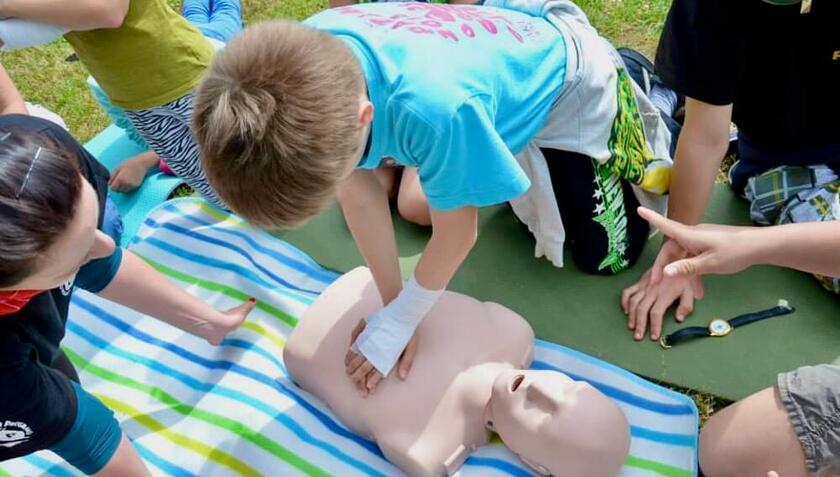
(558, 426)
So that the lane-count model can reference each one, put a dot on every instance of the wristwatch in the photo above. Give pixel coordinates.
(720, 328)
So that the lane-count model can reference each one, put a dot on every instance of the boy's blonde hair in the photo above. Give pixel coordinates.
(277, 121)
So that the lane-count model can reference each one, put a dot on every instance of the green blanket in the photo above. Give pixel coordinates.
(581, 311)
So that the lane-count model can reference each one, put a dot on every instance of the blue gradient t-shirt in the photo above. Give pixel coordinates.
(457, 90)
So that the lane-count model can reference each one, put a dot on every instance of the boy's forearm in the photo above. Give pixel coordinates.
(700, 150)
(74, 15)
(453, 235)
(810, 247)
(365, 206)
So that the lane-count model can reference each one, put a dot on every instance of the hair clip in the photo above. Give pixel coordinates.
(28, 173)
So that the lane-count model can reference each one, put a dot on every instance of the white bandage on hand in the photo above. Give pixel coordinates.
(389, 330)
(18, 33)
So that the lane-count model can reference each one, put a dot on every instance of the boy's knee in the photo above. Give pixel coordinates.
(590, 262)
(596, 259)
(414, 210)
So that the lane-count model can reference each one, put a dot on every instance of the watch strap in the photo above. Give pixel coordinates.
(684, 334)
(783, 308)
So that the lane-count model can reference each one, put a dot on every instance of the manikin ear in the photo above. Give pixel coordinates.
(365, 112)
(535, 467)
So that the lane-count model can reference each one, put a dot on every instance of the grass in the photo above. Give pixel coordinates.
(43, 76)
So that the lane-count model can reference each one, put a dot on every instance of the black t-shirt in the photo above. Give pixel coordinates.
(37, 403)
(778, 67)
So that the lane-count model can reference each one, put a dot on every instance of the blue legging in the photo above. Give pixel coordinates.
(217, 19)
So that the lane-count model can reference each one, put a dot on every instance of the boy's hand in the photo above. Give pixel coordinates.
(363, 373)
(645, 303)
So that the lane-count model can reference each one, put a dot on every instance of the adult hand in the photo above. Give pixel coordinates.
(720, 249)
(216, 330)
(362, 372)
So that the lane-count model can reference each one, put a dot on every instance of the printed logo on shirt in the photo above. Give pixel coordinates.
(67, 287)
(14, 433)
(452, 22)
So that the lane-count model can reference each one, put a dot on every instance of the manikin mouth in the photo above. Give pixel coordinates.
(517, 381)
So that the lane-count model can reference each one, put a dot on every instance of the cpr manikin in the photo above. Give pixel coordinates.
(468, 380)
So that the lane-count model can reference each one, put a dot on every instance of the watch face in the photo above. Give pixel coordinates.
(719, 328)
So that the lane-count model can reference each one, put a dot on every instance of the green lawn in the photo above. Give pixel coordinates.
(43, 75)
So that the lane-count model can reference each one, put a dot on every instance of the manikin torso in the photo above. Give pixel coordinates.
(428, 424)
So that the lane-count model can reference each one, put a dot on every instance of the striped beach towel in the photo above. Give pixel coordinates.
(193, 410)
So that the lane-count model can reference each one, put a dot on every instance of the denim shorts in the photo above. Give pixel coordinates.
(811, 397)
(112, 224)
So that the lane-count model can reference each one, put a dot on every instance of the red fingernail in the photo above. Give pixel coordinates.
(252, 300)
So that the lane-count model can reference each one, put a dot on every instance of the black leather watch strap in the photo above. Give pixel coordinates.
(783, 308)
(684, 334)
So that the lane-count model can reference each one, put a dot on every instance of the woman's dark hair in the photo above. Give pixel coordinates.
(39, 189)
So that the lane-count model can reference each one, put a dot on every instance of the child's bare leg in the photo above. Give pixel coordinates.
(751, 438)
(411, 201)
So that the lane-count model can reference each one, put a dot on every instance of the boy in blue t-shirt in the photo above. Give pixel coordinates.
(489, 105)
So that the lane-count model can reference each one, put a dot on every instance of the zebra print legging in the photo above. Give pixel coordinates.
(166, 129)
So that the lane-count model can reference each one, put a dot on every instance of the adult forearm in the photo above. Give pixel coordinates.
(140, 287)
(454, 234)
(367, 212)
(74, 15)
(10, 99)
(809, 247)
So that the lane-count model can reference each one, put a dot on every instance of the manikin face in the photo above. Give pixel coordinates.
(559, 426)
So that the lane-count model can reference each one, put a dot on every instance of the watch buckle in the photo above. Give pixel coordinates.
(663, 342)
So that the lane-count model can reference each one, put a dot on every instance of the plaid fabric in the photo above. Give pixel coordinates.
(792, 194)
(769, 192)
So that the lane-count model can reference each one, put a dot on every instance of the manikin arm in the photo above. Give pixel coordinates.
(73, 15)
